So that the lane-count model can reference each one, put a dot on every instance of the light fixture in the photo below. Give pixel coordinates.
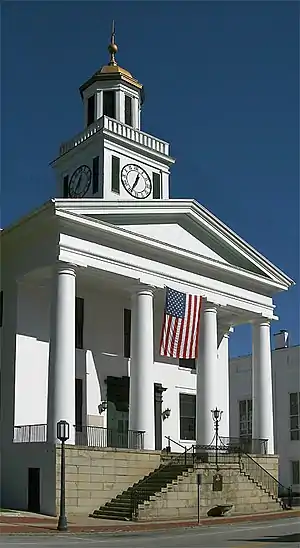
(63, 434)
(63, 431)
(166, 413)
(216, 414)
(102, 407)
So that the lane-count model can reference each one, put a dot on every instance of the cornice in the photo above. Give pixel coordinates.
(158, 279)
(167, 249)
(198, 215)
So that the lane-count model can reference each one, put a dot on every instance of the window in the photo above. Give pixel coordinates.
(1, 308)
(156, 185)
(95, 174)
(189, 364)
(245, 411)
(79, 313)
(109, 104)
(295, 416)
(295, 465)
(127, 332)
(187, 410)
(128, 110)
(91, 110)
(66, 186)
(115, 174)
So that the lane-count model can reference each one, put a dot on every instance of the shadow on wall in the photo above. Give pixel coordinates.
(99, 366)
(34, 311)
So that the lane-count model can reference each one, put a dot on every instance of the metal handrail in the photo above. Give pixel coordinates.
(247, 444)
(268, 482)
(135, 490)
(176, 442)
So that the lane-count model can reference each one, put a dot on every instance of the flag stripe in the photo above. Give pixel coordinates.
(180, 330)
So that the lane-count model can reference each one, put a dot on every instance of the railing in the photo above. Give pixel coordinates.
(118, 128)
(96, 436)
(245, 444)
(85, 436)
(141, 492)
(207, 454)
(168, 448)
(262, 477)
(30, 433)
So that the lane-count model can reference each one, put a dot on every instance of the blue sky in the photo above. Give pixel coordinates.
(222, 85)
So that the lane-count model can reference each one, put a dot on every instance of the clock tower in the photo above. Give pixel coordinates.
(112, 159)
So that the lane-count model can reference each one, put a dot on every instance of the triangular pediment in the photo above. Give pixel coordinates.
(177, 236)
(182, 225)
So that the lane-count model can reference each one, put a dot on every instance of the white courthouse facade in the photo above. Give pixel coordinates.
(83, 288)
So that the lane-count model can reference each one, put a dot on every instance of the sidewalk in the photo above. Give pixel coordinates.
(23, 522)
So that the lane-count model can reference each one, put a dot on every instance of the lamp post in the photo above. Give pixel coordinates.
(216, 415)
(63, 434)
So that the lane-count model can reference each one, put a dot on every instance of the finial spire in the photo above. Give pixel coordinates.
(112, 48)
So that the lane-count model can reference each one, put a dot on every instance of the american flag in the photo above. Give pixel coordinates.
(180, 331)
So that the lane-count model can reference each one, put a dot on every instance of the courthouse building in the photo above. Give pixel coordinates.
(84, 279)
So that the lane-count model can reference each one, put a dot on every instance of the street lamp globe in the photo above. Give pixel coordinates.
(63, 431)
(216, 414)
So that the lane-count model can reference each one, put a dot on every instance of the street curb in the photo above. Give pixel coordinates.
(32, 527)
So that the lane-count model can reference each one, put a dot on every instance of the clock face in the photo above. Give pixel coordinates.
(80, 182)
(136, 181)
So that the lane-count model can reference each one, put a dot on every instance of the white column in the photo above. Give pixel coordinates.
(99, 104)
(61, 385)
(262, 412)
(141, 394)
(135, 113)
(223, 382)
(120, 106)
(208, 385)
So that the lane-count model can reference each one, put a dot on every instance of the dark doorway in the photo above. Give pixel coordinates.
(78, 404)
(33, 490)
(158, 399)
(117, 411)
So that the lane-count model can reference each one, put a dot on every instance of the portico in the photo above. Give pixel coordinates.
(218, 318)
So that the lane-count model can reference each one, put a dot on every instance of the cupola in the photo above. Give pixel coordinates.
(112, 91)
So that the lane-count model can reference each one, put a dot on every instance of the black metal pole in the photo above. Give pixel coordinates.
(62, 520)
(217, 435)
(198, 495)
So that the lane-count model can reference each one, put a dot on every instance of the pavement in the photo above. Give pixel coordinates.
(25, 522)
(280, 533)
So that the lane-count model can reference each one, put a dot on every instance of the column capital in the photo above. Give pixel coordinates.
(65, 268)
(260, 322)
(142, 289)
(210, 307)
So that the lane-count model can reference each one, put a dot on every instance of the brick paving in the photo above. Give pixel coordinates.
(19, 524)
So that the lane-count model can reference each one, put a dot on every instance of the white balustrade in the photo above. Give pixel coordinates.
(117, 128)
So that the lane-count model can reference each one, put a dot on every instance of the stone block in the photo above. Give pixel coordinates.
(108, 486)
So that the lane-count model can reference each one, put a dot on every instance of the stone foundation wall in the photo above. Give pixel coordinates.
(269, 463)
(180, 499)
(95, 476)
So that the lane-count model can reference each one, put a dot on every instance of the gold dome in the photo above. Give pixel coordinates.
(111, 70)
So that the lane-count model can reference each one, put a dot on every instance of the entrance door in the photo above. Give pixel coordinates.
(33, 502)
(117, 411)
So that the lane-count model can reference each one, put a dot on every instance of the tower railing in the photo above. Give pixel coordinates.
(117, 128)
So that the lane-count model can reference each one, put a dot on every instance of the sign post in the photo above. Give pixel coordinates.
(199, 479)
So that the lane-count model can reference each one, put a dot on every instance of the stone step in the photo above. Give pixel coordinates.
(111, 512)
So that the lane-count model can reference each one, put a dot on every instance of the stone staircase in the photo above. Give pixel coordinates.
(124, 506)
(171, 491)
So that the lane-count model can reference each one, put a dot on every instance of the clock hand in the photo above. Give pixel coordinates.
(78, 182)
(135, 182)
